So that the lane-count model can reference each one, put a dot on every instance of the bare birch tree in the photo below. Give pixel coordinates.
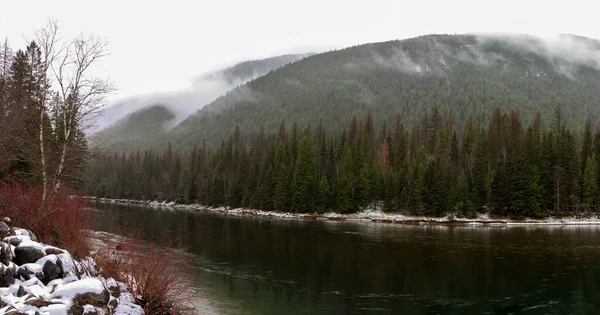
(67, 68)
(82, 95)
(48, 41)
(54, 97)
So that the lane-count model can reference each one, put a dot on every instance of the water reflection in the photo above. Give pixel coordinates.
(269, 266)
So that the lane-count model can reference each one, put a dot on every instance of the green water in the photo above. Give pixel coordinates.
(270, 266)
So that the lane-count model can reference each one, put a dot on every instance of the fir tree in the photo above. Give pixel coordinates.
(282, 198)
(304, 183)
(590, 182)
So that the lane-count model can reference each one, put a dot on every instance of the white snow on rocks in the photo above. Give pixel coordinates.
(49, 281)
(70, 290)
(374, 215)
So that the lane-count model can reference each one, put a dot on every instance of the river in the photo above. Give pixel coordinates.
(247, 265)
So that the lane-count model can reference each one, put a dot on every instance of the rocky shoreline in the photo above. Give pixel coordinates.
(40, 279)
(365, 216)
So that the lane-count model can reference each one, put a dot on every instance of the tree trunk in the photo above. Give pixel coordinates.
(43, 158)
(62, 160)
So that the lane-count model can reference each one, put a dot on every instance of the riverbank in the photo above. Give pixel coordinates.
(36, 278)
(100, 240)
(365, 215)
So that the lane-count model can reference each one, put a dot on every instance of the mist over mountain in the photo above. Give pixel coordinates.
(142, 120)
(202, 90)
(136, 129)
(464, 75)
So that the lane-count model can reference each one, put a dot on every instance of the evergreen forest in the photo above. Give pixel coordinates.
(503, 167)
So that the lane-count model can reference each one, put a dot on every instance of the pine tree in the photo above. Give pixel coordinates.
(417, 183)
(535, 192)
(518, 194)
(597, 154)
(586, 149)
(462, 196)
(324, 196)
(283, 195)
(348, 184)
(590, 182)
(366, 185)
(304, 183)
(192, 190)
(479, 182)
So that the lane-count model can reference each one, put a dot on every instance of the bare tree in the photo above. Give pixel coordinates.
(82, 95)
(63, 97)
(48, 41)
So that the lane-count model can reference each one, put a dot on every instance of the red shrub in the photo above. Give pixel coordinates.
(58, 221)
(155, 277)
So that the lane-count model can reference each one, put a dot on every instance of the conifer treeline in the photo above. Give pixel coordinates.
(434, 168)
(42, 139)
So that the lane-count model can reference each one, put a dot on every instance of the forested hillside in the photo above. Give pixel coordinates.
(137, 129)
(136, 123)
(247, 70)
(502, 167)
(464, 75)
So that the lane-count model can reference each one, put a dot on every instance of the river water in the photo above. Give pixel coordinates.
(246, 265)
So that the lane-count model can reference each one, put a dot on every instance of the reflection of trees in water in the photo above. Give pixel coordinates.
(319, 266)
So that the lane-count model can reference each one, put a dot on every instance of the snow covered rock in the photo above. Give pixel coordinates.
(81, 293)
(26, 271)
(7, 275)
(27, 254)
(50, 250)
(52, 270)
(81, 287)
(25, 232)
(5, 253)
(35, 301)
(39, 279)
(4, 229)
(13, 240)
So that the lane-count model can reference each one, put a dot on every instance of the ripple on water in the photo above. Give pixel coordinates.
(474, 269)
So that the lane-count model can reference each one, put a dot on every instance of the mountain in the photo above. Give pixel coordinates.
(137, 129)
(463, 75)
(247, 70)
(122, 125)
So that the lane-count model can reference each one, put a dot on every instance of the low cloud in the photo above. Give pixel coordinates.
(564, 53)
(202, 90)
(398, 60)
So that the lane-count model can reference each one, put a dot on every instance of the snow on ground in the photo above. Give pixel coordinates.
(373, 215)
(70, 290)
(40, 279)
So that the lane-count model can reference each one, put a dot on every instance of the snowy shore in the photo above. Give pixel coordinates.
(40, 279)
(366, 215)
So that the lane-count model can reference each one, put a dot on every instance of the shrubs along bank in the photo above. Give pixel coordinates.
(147, 281)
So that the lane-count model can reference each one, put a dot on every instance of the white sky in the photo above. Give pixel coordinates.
(160, 45)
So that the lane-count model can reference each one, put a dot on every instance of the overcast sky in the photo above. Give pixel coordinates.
(160, 45)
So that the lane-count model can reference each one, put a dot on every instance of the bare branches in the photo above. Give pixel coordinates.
(49, 42)
(55, 95)
(81, 93)
(47, 39)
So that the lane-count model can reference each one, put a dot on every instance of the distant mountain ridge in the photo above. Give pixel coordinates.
(250, 69)
(464, 75)
(138, 128)
(140, 120)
